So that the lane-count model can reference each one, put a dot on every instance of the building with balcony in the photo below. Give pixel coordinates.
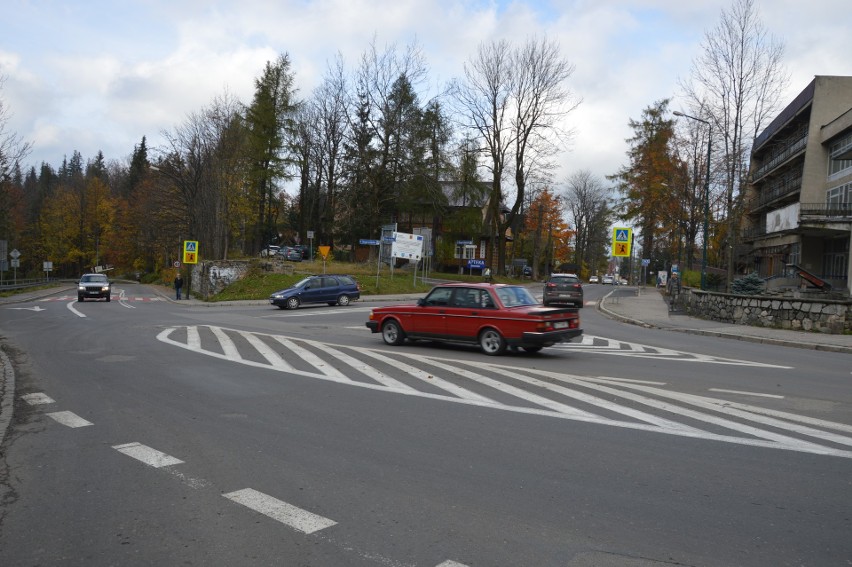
(798, 205)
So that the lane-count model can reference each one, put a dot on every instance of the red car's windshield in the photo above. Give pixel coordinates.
(515, 296)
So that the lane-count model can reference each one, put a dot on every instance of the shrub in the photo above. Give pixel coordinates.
(751, 284)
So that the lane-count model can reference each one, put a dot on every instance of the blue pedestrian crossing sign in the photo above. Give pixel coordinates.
(190, 251)
(621, 241)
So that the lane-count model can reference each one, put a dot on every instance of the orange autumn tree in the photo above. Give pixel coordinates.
(551, 236)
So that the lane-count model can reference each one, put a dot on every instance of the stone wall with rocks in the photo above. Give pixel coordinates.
(212, 276)
(797, 313)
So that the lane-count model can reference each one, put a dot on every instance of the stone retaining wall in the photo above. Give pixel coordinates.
(801, 314)
(212, 276)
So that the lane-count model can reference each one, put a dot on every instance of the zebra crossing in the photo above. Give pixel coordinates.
(602, 345)
(618, 402)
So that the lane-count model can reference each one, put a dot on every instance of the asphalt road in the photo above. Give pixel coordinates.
(148, 432)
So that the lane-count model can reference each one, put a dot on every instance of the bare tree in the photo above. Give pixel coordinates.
(513, 99)
(12, 147)
(12, 150)
(736, 83)
(588, 204)
(200, 166)
(329, 122)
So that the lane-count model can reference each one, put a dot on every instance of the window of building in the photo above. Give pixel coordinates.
(840, 166)
(465, 251)
(840, 195)
(795, 256)
(834, 260)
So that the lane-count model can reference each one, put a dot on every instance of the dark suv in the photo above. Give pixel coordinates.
(330, 288)
(563, 289)
(94, 286)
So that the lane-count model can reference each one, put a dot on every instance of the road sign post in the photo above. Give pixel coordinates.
(371, 242)
(16, 262)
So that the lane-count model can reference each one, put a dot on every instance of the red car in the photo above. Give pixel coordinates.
(494, 316)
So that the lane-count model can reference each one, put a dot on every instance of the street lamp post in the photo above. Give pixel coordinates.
(706, 193)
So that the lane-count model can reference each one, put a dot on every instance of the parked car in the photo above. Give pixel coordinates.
(269, 250)
(304, 249)
(594, 279)
(290, 253)
(563, 289)
(330, 288)
(608, 280)
(494, 316)
(527, 272)
(94, 286)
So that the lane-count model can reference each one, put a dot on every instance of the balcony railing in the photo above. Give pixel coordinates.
(753, 232)
(782, 156)
(778, 190)
(827, 210)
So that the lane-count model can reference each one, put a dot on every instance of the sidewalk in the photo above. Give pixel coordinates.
(647, 307)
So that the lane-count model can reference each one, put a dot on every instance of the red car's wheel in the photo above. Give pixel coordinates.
(492, 342)
(392, 333)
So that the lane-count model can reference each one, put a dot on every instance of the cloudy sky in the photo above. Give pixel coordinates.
(92, 75)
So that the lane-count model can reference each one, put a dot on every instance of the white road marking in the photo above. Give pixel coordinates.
(37, 399)
(228, 347)
(193, 339)
(71, 308)
(122, 299)
(298, 519)
(757, 394)
(451, 564)
(69, 419)
(312, 359)
(624, 348)
(147, 455)
(268, 353)
(594, 400)
(646, 402)
(428, 378)
(503, 387)
(365, 368)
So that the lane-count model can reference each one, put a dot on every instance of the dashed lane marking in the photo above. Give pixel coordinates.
(69, 419)
(37, 398)
(280, 511)
(147, 455)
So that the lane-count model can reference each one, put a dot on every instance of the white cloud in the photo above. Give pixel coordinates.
(92, 77)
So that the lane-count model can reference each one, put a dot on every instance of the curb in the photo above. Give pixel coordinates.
(723, 335)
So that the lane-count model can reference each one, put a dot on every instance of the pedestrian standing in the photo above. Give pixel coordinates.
(178, 285)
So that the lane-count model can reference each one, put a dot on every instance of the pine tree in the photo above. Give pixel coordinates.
(752, 284)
